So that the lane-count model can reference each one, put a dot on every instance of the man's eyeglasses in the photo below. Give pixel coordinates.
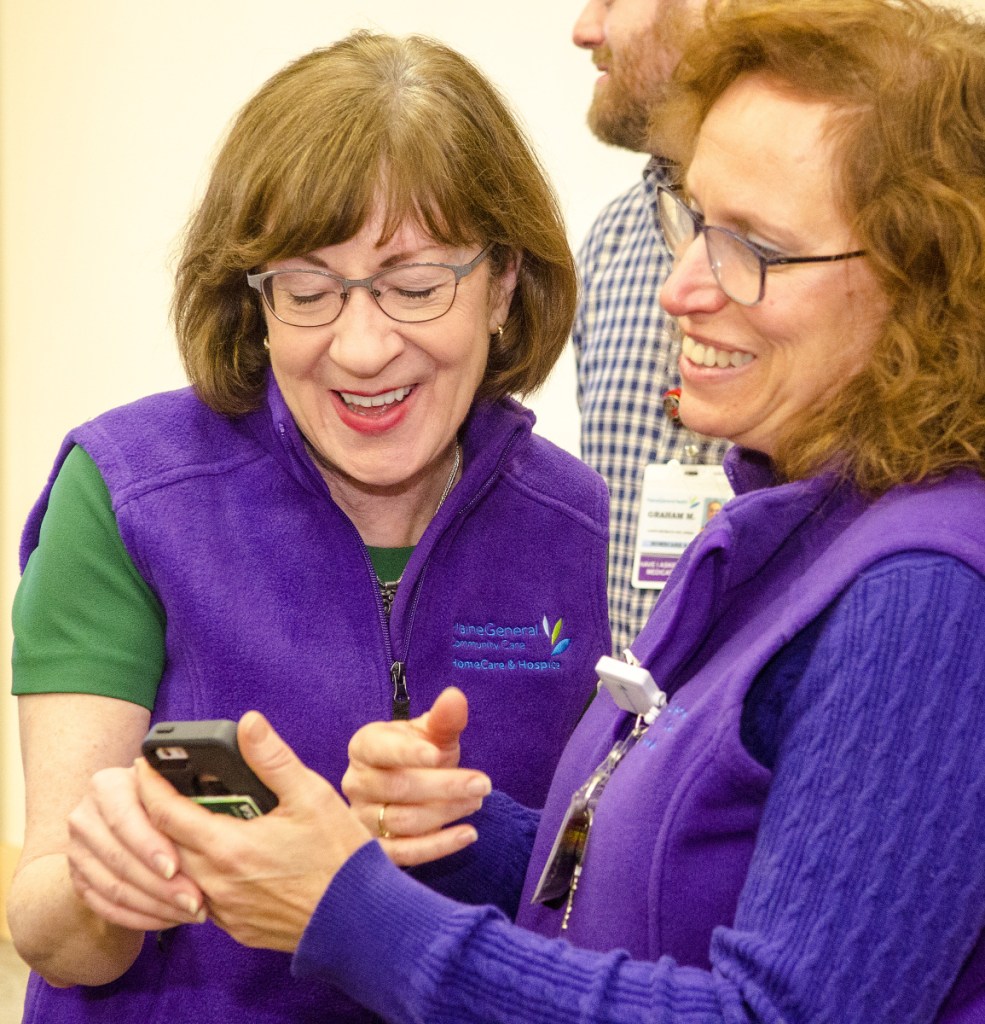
(410, 294)
(739, 265)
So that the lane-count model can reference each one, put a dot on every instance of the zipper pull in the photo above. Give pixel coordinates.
(401, 698)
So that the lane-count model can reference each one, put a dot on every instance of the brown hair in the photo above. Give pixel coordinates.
(906, 81)
(302, 167)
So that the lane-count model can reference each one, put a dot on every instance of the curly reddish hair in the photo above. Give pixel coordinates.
(906, 84)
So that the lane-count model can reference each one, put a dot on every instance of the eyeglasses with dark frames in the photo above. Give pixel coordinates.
(412, 293)
(739, 265)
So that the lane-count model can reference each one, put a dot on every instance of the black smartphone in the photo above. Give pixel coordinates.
(202, 761)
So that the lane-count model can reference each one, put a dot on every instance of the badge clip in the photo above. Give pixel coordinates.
(630, 686)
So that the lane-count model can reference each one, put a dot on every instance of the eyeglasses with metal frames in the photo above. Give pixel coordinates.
(411, 293)
(739, 265)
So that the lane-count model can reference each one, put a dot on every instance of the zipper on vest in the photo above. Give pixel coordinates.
(401, 698)
(400, 704)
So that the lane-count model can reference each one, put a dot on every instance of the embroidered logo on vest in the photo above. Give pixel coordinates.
(509, 647)
(671, 720)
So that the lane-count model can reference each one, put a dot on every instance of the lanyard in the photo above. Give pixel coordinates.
(633, 689)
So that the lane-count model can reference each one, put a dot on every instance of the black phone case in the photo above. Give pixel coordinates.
(202, 761)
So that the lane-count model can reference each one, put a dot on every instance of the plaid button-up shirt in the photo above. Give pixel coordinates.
(626, 348)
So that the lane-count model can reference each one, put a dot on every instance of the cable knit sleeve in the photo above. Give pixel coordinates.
(867, 887)
(493, 868)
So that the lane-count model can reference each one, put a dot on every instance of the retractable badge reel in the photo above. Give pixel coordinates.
(631, 686)
(633, 689)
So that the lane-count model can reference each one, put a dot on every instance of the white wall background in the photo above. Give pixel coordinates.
(110, 112)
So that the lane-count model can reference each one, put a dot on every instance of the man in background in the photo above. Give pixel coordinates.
(625, 346)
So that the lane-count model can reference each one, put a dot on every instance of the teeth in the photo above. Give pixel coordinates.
(370, 401)
(707, 355)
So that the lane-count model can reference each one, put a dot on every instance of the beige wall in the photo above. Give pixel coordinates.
(109, 113)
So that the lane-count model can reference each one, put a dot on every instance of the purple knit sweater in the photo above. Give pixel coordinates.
(838, 875)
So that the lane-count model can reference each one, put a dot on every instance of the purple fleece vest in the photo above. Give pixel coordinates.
(272, 603)
(689, 797)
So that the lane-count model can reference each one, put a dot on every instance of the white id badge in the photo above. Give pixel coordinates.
(676, 503)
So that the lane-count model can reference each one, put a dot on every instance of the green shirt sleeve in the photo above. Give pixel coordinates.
(84, 619)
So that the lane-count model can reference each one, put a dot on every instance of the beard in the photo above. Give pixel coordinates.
(638, 79)
(621, 107)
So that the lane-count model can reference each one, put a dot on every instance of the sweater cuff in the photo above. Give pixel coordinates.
(368, 934)
(491, 870)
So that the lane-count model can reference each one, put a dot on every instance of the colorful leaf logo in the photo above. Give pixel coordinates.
(557, 647)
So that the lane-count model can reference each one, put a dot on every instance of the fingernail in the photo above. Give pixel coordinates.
(165, 866)
(256, 727)
(188, 905)
(479, 786)
(468, 836)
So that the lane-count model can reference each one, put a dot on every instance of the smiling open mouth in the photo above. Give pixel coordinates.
(707, 355)
(365, 404)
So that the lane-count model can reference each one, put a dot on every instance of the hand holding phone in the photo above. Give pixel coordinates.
(202, 761)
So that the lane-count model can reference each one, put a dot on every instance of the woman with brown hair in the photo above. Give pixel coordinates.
(346, 512)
